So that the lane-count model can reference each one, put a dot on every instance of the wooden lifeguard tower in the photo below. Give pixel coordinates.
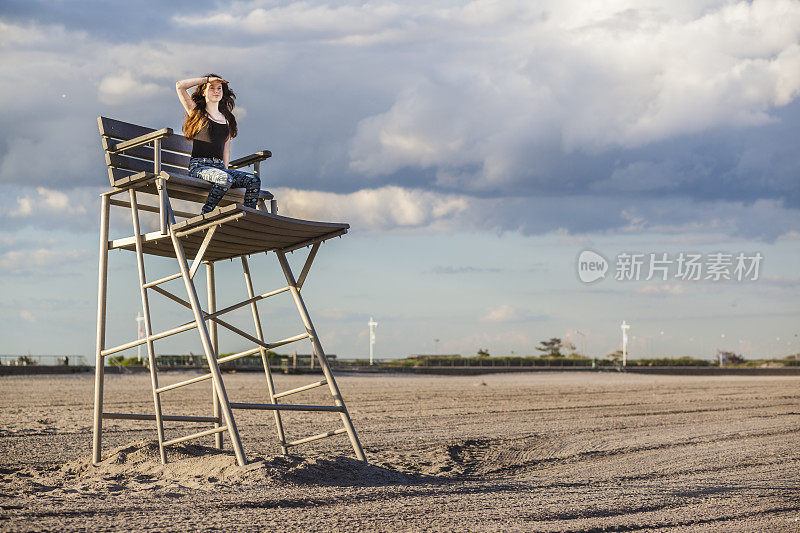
(143, 164)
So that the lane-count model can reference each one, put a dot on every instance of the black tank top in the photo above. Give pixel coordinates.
(210, 140)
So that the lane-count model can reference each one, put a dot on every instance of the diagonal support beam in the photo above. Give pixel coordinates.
(198, 258)
(231, 307)
(207, 316)
(307, 266)
(326, 369)
(188, 325)
(211, 356)
(229, 326)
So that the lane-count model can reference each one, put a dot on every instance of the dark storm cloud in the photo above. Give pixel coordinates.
(556, 116)
(107, 21)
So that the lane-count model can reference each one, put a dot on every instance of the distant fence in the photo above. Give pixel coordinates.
(488, 362)
(43, 360)
(304, 363)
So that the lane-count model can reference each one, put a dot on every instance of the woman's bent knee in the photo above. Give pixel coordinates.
(215, 176)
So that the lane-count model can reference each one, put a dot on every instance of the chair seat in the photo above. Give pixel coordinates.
(184, 187)
(239, 231)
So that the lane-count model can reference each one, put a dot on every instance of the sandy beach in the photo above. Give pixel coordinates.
(517, 452)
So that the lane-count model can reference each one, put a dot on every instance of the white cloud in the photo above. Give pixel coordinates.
(781, 281)
(573, 219)
(388, 208)
(511, 109)
(39, 261)
(353, 23)
(498, 340)
(501, 313)
(671, 289)
(483, 100)
(123, 88)
(42, 207)
(792, 235)
(584, 79)
(338, 314)
(35, 36)
(239, 112)
(44, 201)
(373, 209)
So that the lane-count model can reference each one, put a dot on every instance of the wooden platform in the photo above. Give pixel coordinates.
(240, 231)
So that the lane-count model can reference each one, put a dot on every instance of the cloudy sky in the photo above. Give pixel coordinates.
(476, 149)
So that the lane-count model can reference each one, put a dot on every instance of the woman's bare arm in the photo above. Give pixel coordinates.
(226, 152)
(183, 94)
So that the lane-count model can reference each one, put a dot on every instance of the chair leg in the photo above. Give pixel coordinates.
(211, 356)
(212, 331)
(99, 375)
(264, 357)
(326, 370)
(151, 357)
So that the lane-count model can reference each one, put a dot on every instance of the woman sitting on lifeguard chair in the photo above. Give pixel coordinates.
(210, 125)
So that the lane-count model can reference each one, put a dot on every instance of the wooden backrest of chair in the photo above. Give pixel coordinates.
(175, 150)
(175, 153)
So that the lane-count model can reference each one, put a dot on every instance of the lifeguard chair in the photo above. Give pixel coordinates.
(152, 164)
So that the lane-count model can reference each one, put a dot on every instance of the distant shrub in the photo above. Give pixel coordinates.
(669, 361)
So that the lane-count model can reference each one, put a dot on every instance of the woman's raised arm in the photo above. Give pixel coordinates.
(183, 94)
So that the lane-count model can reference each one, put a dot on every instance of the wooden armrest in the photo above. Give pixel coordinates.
(139, 141)
(248, 160)
(138, 180)
(265, 194)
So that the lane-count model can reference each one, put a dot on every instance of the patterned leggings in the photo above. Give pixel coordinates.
(213, 170)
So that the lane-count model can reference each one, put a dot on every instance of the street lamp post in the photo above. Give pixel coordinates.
(140, 334)
(372, 325)
(625, 327)
(583, 339)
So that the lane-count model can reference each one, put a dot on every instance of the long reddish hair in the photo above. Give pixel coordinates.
(198, 117)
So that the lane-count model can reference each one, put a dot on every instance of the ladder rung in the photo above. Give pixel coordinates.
(153, 337)
(162, 280)
(301, 389)
(183, 383)
(317, 437)
(288, 340)
(285, 407)
(238, 355)
(166, 418)
(196, 435)
(256, 350)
